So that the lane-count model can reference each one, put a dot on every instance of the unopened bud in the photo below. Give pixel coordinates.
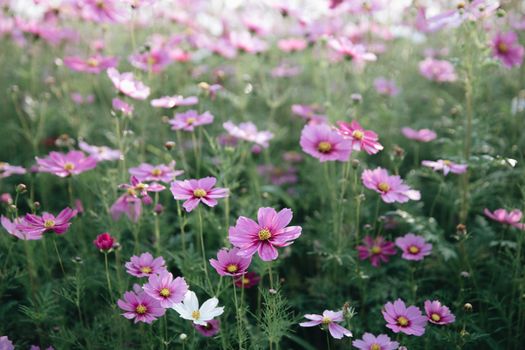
(468, 307)
(169, 145)
(21, 188)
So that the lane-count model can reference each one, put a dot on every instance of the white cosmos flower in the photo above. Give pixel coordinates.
(189, 309)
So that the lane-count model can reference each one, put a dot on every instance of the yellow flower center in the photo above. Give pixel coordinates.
(140, 187)
(326, 320)
(69, 166)
(196, 314)
(460, 5)
(402, 321)
(146, 269)
(151, 60)
(191, 120)
(49, 223)
(447, 162)
(435, 317)
(264, 234)
(231, 268)
(156, 172)
(358, 134)
(324, 147)
(375, 346)
(141, 309)
(199, 193)
(413, 249)
(245, 280)
(376, 249)
(132, 192)
(383, 187)
(165, 292)
(92, 62)
(503, 48)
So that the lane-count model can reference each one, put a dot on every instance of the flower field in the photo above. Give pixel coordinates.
(208, 174)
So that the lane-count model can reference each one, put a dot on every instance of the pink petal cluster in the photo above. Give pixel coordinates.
(127, 204)
(11, 228)
(120, 106)
(438, 313)
(211, 328)
(156, 60)
(371, 342)
(140, 306)
(376, 249)
(100, 153)
(512, 217)
(248, 132)
(128, 85)
(248, 280)
(104, 242)
(161, 172)
(197, 191)
(329, 319)
(66, 164)
(271, 231)
(507, 49)
(386, 87)
(292, 44)
(408, 320)
(188, 120)
(145, 265)
(94, 64)
(391, 187)
(446, 166)
(174, 101)
(361, 139)
(325, 143)
(423, 135)
(437, 70)
(7, 170)
(34, 225)
(347, 49)
(414, 247)
(230, 263)
(165, 289)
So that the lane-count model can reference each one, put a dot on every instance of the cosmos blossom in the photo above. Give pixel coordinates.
(128, 85)
(292, 44)
(437, 313)
(248, 280)
(371, 342)
(164, 288)
(376, 249)
(507, 49)
(33, 225)
(211, 328)
(120, 106)
(145, 265)
(197, 191)
(104, 242)
(414, 247)
(248, 132)
(512, 217)
(347, 49)
(437, 70)
(386, 87)
(161, 172)
(140, 306)
(94, 64)
(126, 204)
(11, 228)
(361, 139)
(423, 135)
(325, 144)
(329, 319)
(188, 120)
(174, 101)
(229, 263)
(100, 153)
(155, 60)
(408, 320)
(66, 164)
(271, 231)
(446, 166)
(7, 170)
(391, 187)
(189, 309)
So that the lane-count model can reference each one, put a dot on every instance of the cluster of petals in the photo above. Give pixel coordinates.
(329, 319)
(66, 164)
(361, 139)
(248, 132)
(512, 217)
(324, 143)
(391, 187)
(197, 191)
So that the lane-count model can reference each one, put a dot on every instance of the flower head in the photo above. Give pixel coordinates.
(165, 289)
(174, 101)
(414, 247)
(128, 85)
(376, 249)
(126, 204)
(11, 228)
(161, 172)
(264, 236)
(141, 307)
(446, 166)
(144, 265)
(437, 70)
(329, 319)
(361, 139)
(248, 132)
(100, 153)
(34, 225)
(386, 87)
(120, 106)
(6, 344)
(392, 188)
(104, 242)
(324, 143)
(248, 280)
(156, 60)
(189, 309)
(140, 189)
(371, 342)
(196, 191)
(423, 135)
(94, 64)
(7, 170)
(229, 263)
(399, 318)
(437, 313)
(188, 120)
(507, 49)
(512, 217)
(211, 328)
(66, 164)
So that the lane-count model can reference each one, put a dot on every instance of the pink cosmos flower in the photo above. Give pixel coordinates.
(174, 101)
(94, 64)
(355, 52)
(361, 139)
(157, 60)
(6, 344)
(506, 48)
(245, 42)
(399, 318)
(34, 225)
(165, 289)
(162, 172)
(511, 218)
(376, 249)
(329, 319)
(325, 143)
(211, 328)
(371, 342)
(100, 153)
(229, 263)
(248, 280)
(414, 247)
(437, 70)
(248, 132)
(141, 307)
(423, 135)
(446, 166)
(104, 242)
(386, 87)
(279, 175)
(391, 187)
(309, 112)
(7, 170)
(128, 85)
(292, 44)
(105, 11)
(196, 191)
(135, 188)
(145, 266)
(188, 120)
(66, 164)
(437, 313)
(80, 100)
(126, 204)
(11, 228)
(464, 11)
(285, 70)
(120, 106)
(264, 236)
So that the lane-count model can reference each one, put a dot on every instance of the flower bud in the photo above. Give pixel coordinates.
(468, 307)
(169, 145)
(21, 188)
(104, 242)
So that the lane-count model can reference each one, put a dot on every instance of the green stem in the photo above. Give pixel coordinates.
(58, 255)
(203, 251)
(30, 269)
(181, 227)
(157, 225)
(108, 280)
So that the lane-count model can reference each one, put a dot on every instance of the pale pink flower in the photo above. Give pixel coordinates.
(408, 320)
(165, 289)
(248, 132)
(511, 218)
(7, 170)
(391, 187)
(292, 44)
(100, 153)
(128, 85)
(324, 143)
(229, 263)
(188, 120)
(94, 64)
(66, 164)
(330, 320)
(423, 135)
(120, 106)
(437, 313)
(446, 166)
(437, 70)
(197, 191)
(414, 247)
(161, 172)
(174, 101)
(155, 60)
(145, 265)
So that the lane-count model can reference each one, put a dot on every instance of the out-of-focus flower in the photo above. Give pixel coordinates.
(361, 139)
(446, 166)
(507, 49)
(325, 143)
(7, 170)
(438, 313)
(189, 309)
(66, 164)
(174, 101)
(94, 64)
(355, 52)
(33, 225)
(330, 320)
(104, 242)
(165, 289)
(229, 263)
(6, 344)
(6, 198)
(285, 70)
(211, 328)
(11, 228)
(126, 204)
(391, 187)
(106, 11)
(464, 11)
(245, 42)
(155, 60)
(371, 342)
(292, 44)
(80, 100)
(248, 132)
(100, 153)
(161, 172)
(120, 106)
(408, 320)
(145, 265)
(414, 247)
(437, 70)
(423, 135)
(376, 249)
(141, 307)
(386, 87)
(128, 85)
(310, 113)
(248, 280)
(278, 175)
(188, 120)
(511, 218)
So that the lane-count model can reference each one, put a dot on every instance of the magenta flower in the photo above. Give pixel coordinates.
(446, 166)
(34, 225)
(414, 247)
(7, 170)
(155, 60)
(361, 139)
(120, 106)
(11, 228)
(423, 135)
(94, 64)
(100, 153)
(141, 307)
(437, 313)
(105, 242)
(386, 87)
(188, 120)
(376, 249)
(174, 101)
(391, 187)
(6, 344)
(292, 44)
(511, 218)
(324, 143)
(139, 189)
(144, 265)
(399, 318)
(347, 49)
(105, 11)
(437, 70)
(126, 204)
(371, 342)
(245, 42)
(506, 48)
(329, 319)
(229, 263)
(165, 289)
(196, 191)
(264, 236)
(211, 328)
(248, 280)
(66, 164)
(128, 85)
(248, 132)
(309, 112)
(162, 172)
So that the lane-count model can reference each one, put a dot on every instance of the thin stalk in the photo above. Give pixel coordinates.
(58, 255)
(30, 269)
(203, 251)
(157, 226)
(108, 280)
(181, 227)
